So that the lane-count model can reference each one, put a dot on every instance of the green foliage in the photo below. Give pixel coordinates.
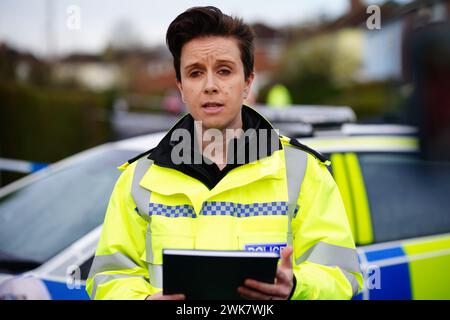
(323, 70)
(370, 100)
(48, 124)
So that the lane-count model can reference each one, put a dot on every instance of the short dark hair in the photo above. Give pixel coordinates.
(206, 21)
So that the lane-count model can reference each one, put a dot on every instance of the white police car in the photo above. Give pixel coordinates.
(398, 208)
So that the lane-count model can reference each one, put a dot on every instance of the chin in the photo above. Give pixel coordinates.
(214, 125)
(216, 122)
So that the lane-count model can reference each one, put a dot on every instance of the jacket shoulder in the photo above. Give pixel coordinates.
(124, 166)
(143, 154)
(292, 142)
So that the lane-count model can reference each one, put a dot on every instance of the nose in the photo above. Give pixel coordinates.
(210, 85)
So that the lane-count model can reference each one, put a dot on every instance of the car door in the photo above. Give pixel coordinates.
(49, 225)
(398, 208)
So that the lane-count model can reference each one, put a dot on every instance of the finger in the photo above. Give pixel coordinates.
(286, 261)
(265, 288)
(253, 295)
(282, 276)
(173, 297)
(155, 296)
(286, 281)
(160, 296)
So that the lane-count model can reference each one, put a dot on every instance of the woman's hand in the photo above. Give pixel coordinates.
(282, 288)
(160, 296)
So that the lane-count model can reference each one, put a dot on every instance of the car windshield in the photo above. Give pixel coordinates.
(49, 214)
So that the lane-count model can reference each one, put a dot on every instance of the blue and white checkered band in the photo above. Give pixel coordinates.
(184, 210)
(244, 210)
(217, 208)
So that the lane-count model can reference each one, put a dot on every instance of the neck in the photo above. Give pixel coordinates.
(214, 143)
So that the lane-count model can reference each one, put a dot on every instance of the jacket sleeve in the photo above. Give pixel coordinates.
(325, 259)
(117, 271)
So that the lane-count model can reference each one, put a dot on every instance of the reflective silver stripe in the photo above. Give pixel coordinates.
(332, 255)
(148, 244)
(295, 172)
(352, 279)
(141, 195)
(103, 278)
(110, 262)
(155, 273)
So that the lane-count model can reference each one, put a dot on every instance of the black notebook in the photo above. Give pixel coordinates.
(215, 275)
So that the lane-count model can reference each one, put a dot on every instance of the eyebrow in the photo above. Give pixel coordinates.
(226, 62)
(193, 65)
(199, 65)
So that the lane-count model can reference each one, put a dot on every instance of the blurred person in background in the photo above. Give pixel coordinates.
(279, 96)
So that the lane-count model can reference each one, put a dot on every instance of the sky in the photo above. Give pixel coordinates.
(23, 23)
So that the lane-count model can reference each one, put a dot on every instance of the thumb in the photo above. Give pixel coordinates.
(286, 254)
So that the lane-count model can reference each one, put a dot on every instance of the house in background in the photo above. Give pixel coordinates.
(89, 71)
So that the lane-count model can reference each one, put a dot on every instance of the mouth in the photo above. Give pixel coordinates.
(212, 107)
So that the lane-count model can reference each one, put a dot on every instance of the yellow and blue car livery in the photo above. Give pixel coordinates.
(404, 270)
(411, 268)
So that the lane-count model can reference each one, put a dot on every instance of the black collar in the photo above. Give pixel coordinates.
(208, 172)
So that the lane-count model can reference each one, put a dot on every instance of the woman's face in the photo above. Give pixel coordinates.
(213, 84)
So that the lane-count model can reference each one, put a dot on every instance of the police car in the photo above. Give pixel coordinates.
(397, 205)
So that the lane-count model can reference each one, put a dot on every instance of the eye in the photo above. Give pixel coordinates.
(195, 74)
(224, 72)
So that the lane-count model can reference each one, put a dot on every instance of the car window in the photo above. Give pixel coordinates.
(85, 268)
(408, 197)
(46, 216)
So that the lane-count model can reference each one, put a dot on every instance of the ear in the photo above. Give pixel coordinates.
(248, 84)
(180, 88)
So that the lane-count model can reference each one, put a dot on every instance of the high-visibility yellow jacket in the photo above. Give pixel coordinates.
(287, 197)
